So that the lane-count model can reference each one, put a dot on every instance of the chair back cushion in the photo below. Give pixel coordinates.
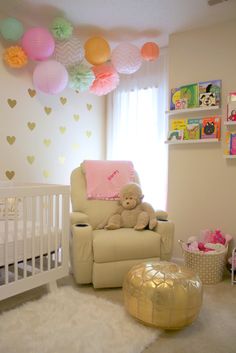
(97, 210)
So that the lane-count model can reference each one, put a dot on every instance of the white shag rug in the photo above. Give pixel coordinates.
(69, 321)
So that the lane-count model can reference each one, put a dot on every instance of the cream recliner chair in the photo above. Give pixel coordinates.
(103, 257)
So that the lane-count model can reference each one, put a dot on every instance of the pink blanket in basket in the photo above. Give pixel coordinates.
(105, 178)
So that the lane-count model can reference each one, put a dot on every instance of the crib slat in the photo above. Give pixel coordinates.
(50, 206)
(57, 205)
(41, 218)
(15, 242)
(24, 236)
(33, 233)
(65, 230)
(6, 241)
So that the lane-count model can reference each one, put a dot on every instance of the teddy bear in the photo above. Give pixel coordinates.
(132, 212)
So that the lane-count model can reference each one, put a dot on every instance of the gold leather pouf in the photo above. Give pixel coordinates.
(163, 294)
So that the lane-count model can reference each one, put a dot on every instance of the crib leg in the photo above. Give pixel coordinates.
(52, 286)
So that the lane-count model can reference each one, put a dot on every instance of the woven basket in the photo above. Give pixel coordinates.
(209, 266)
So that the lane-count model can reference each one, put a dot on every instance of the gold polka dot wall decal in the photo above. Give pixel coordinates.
(46, 173)
(10, 174)
(88, 133)
(47, 142)
(75, 146)
(89, 107)
(11, 102)
(47, 110)
(63, 100)
(31, 92)
(31, 125)
(62, 129)
(11, 139)
(76, 117)
(30, 159)
(61, 159)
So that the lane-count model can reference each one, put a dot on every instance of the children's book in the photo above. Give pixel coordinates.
(175, 135)
(227, 142)
(178, 124)
(190, 93)
(174, 97)
(195, 121)
(181, 103)
(233, 143)
(231, 107)
(192, 132)
(210, 127)
(210, 93)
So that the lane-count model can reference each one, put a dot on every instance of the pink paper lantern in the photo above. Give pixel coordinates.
(126, 58)
(106, 79)
(50, 77)
(38, 43)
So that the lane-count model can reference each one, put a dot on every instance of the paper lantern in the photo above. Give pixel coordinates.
(15, 57)
(126, 58)
(38, 43)
(150, 51)
(61, 28)
(69, 52)
(50, 77)
(97, 50)
(80, 77)
(106, 79)
(11, 29)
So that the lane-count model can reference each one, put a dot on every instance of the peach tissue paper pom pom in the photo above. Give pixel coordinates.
(106, 79)
(15, 57)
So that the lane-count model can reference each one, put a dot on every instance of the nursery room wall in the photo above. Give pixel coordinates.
(44, 137)
(201, 185)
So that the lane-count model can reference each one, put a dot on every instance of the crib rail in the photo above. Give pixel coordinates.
(34, 235)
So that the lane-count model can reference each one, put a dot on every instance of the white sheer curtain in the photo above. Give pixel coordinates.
(137, 125)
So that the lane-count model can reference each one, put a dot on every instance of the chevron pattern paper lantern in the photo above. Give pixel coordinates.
(69, 52)
(126, 58)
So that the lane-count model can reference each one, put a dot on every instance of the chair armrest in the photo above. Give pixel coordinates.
(78, 217)
(166, 231)
(161, 215)
(82, 252)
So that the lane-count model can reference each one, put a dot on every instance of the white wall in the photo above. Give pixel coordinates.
(75, 129)
(201, 190)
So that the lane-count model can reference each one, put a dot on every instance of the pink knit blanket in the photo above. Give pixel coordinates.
(106, 178)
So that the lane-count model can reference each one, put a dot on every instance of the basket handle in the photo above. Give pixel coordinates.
(181, 242)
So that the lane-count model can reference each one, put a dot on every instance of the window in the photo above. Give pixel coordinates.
(137, 131)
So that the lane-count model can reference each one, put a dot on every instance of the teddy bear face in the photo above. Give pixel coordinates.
(129, 202)
(131, 196)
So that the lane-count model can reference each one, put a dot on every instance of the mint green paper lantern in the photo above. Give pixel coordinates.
(11, 29)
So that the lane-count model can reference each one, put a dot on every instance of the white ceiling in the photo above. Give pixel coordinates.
(123, 20)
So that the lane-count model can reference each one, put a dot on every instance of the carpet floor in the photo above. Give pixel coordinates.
(69, 321)
(212, 332)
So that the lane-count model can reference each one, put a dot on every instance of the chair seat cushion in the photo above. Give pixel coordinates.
(125, 244)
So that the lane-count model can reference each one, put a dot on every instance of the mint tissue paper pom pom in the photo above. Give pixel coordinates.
(61, 28)
(81, 77)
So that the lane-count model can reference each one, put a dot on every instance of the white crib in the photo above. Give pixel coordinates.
(34, 235)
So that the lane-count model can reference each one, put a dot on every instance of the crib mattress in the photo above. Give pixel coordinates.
(42, 242)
